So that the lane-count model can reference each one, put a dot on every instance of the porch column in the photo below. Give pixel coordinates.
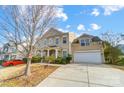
(56, 53)
(48, 53)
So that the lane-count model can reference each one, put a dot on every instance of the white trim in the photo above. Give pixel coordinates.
(89, 51)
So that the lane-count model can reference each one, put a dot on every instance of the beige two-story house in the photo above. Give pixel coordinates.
(85, 48)
(56, 43)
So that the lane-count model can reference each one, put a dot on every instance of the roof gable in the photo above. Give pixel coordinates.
(52, 32)
(93, 38)
(86, 35)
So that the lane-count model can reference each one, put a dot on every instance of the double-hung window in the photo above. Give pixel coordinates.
(87, 41)
(57, 40)
(64, 40)
(45, 42)
(84, 42)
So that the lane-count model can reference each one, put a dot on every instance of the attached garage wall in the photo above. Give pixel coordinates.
(91, 56)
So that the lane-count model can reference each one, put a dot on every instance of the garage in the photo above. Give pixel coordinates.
(92, 56)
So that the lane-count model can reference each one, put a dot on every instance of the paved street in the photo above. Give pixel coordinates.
(84, 75)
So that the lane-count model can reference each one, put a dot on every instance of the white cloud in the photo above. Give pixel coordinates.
(108, 10)
(80, 27)
(95, 26)
(68, 26)
(121, 42)
(60, 14)
(95, 12)
(63, 30)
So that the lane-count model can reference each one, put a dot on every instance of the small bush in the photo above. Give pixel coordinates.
(68, 58)
(36, 59)
(121, 62)
(1, 61)
(51, 59)
(46, 59)
(25, 60)
(60, 60)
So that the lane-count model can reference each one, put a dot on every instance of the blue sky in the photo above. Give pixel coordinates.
(91, 19)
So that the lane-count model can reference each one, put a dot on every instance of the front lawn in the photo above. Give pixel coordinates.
(38, 73)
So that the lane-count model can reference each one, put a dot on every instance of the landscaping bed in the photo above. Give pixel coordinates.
(117, 67)
(38, 73)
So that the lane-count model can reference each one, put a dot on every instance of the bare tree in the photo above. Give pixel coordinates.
(111, 41)
(113, 38)
(24, 26)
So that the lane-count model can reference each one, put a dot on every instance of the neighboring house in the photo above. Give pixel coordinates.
(9, 52)
(56, 43)
(86, 48)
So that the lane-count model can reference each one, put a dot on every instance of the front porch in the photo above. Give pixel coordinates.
(54, 51)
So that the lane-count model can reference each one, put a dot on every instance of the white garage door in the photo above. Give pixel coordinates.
(88, 57)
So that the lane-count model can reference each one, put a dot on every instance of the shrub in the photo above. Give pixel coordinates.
(60, 60)
(51, 59)
(111, 53)
(121, 62)
(46, 59)
(25, 60)
(36, 59)
(1, 61)
(68, 58)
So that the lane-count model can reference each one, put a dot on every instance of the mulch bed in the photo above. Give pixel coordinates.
(38, 73)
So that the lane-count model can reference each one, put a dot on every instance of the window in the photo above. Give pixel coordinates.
(50, 41)
(64, 40)
(45, 41)
(82, 42)
(64, 53)
(85, 42)
(57, 40)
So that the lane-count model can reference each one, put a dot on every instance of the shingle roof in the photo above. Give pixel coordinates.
(93, 38)
(52, 32)
(96, 39)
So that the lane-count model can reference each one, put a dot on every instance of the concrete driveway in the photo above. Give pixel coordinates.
(85, 75)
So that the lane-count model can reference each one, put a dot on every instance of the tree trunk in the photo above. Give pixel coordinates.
(28, 68)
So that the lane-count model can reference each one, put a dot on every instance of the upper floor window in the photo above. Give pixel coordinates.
(45, 42)
(50, 41)
(64, 40)
(85, 42)
(82, 42)
(57, 40)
